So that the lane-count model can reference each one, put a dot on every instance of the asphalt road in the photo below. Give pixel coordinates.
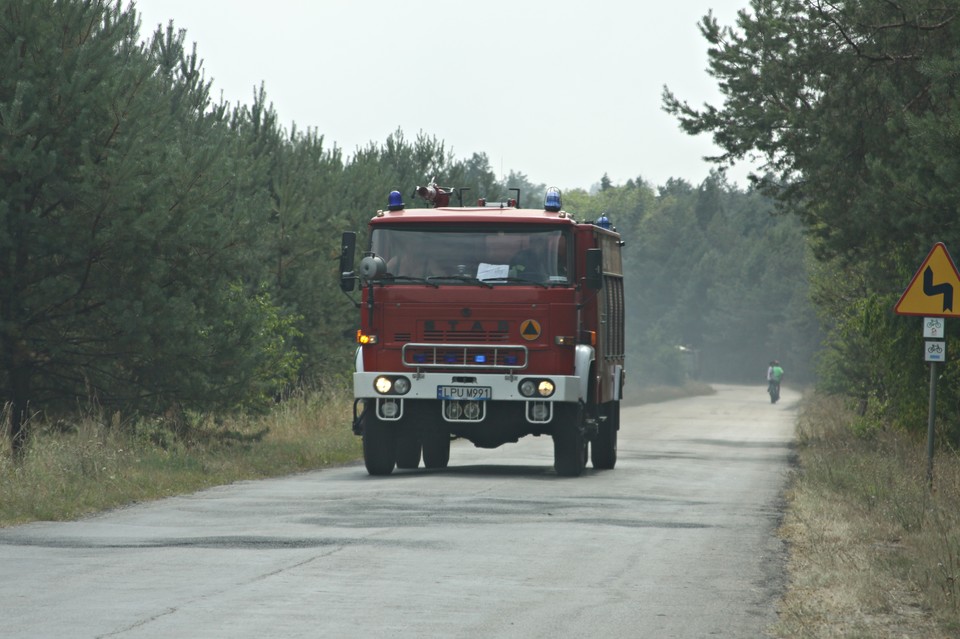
(677, 541)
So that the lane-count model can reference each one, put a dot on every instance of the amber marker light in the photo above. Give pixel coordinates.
(363, 338)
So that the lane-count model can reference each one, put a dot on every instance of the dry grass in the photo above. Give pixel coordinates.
(873, 552)
(99, 462)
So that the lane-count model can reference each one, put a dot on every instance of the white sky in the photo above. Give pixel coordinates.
(560, 90)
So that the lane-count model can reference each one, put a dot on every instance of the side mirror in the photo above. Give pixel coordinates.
(348, 248)
(594, 268)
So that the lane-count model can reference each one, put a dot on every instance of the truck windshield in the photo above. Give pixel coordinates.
(468, 256)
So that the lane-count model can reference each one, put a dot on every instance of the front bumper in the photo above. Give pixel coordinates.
(502, 387)
(465, 398)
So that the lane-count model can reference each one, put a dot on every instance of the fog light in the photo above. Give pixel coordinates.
(471, 410)
(540, 411)
(545, 388)
(527, 388)
(389, 409)
(453, 410)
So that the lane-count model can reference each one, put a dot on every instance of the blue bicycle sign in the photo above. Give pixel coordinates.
(935, 351)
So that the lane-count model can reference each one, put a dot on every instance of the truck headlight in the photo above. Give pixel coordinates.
(401, 385)
(383, 385)
(545, 388)
(537, 387)
(391, 385)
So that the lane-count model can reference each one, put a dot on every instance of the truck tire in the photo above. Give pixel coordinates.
(603, 449)
(436, 450)
(379, 446)
(569, 444)
(408, 449)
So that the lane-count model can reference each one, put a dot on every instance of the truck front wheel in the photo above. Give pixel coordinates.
(603, 449)
(379, 445)
(569, 444)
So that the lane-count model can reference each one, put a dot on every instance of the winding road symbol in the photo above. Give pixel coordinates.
(931, 291)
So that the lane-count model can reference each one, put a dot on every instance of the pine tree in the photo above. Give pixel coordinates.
(126, 223)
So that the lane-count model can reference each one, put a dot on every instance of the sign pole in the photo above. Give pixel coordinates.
(934, 351)
(930, 423)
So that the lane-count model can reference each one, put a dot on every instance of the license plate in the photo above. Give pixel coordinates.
(463, 392)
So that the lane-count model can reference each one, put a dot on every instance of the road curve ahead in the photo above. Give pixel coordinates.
(678, 541)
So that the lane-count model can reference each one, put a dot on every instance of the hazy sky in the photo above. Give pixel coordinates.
(561, 91)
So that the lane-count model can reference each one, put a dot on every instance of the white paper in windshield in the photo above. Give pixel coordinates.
(492, 271)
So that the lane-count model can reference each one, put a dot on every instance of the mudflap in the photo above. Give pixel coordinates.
(358, 417)
(591, 421)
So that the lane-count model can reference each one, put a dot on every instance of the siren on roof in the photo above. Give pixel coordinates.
(551, 201)
(395, 201)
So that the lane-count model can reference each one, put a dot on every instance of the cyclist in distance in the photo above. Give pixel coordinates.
(774, 375)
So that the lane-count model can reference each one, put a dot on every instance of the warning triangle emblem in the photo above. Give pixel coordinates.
(530, 329)
(934, 290)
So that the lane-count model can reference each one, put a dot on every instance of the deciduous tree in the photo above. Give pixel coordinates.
(854, 108)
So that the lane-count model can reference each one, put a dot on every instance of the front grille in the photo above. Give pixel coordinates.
(478, 336)
(468, 356)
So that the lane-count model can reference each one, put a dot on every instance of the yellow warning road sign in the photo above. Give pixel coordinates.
(934, 287)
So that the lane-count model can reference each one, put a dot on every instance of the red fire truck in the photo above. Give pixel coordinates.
(486, 323)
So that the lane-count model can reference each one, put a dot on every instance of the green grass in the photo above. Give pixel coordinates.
(100, 462)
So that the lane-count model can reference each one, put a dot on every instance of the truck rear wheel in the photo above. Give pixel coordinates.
(436, 450)
(379, 446)
(569, 444)
(408, 449)
(603, 449)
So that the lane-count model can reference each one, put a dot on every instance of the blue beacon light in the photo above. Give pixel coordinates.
(603, 222)
(551, 201)
(395, 202)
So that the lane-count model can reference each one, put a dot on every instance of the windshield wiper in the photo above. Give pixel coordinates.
(409, 278)
(461, 278)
